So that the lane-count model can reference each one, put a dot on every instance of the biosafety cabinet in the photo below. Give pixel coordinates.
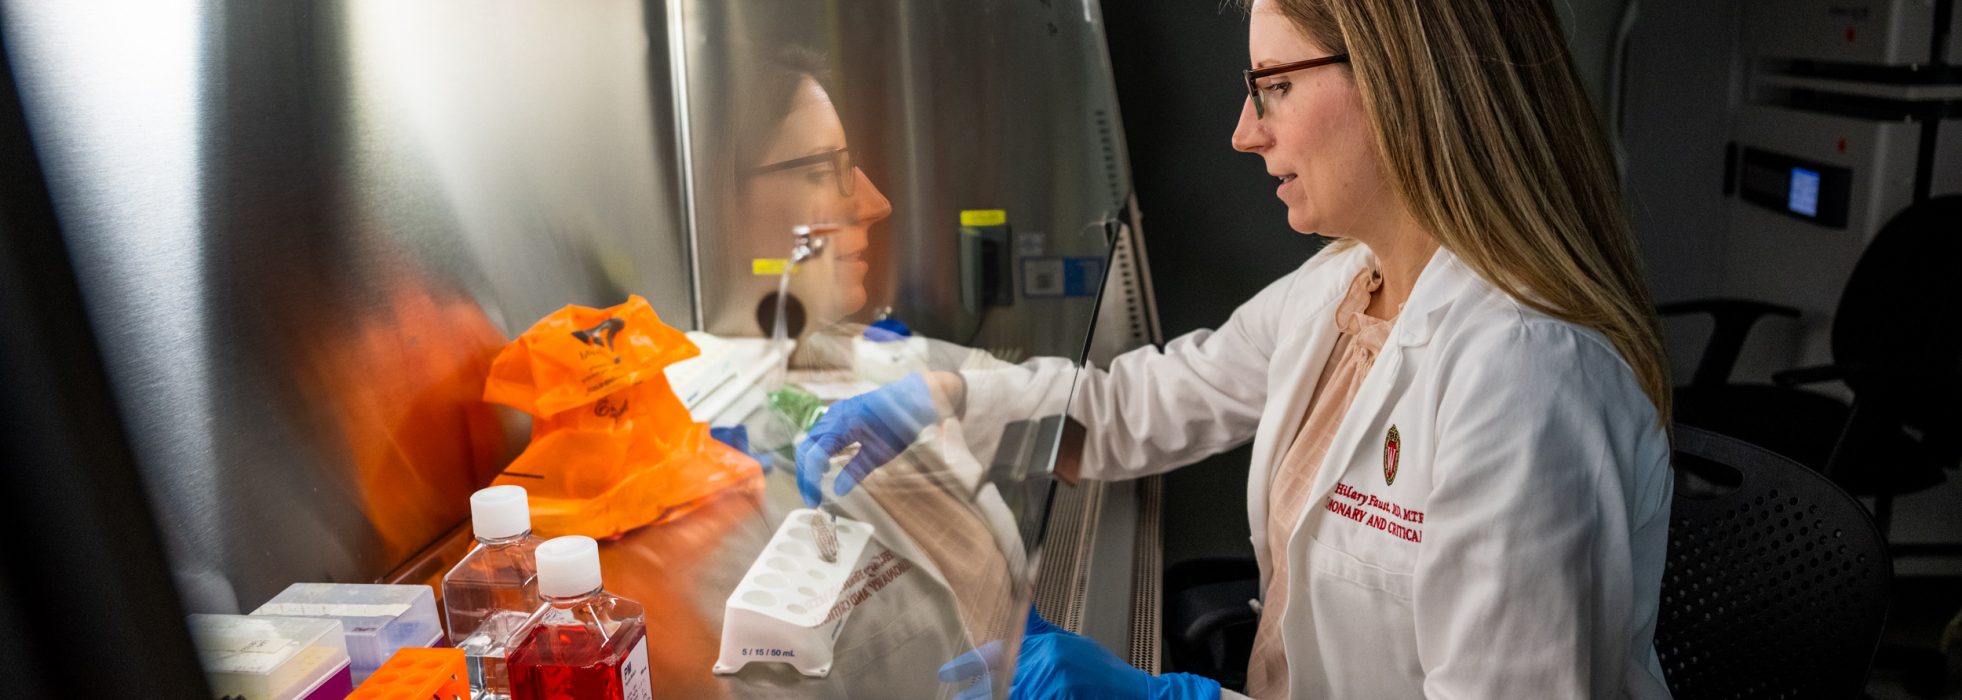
(299, 236)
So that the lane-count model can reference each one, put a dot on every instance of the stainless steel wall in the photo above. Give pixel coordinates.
(948, 106)
(303, 229)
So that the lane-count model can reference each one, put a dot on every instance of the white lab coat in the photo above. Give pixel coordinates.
(1518, 551)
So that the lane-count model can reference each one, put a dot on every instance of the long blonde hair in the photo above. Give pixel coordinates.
(1490, 140)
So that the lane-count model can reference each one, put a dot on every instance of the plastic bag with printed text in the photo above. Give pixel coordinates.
(612, 447)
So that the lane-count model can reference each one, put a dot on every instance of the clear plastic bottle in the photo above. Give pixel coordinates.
(583, 643)
(494, 589)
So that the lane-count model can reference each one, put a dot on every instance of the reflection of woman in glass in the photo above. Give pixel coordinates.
(791, 165)
(794, 167)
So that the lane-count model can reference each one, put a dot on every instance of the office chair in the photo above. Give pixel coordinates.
(1776, 580)
(1209, 625)
(1896, 342)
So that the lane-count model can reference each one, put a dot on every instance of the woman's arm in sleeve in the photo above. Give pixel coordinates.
(1153, 410)
(1549, 460)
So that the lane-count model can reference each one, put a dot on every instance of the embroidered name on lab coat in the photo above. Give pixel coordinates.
(1390, 518)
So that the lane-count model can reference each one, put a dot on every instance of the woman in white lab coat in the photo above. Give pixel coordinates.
(1460, 481)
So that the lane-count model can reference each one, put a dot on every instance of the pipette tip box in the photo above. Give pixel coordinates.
(378, 619)
(790, 607)
(274, 658)
(418, 674)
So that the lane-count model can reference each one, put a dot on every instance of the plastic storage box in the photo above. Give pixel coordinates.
(378, 619)
(272, 658)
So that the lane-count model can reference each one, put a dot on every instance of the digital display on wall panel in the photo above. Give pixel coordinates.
(1810, 190)
(1804, 195)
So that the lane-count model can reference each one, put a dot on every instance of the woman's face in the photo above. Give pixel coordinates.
(809, 195)
(1316, 136)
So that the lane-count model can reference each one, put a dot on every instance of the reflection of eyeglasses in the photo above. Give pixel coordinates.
(1253, 76)
(840, 160)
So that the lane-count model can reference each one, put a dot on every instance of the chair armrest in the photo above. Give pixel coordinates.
(1201, 621)
(1800, 376)
(1740, 308)
(1734, 318)
(1855, 372)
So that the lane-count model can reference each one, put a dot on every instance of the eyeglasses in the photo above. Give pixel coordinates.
(840, 160)
(1254, 76)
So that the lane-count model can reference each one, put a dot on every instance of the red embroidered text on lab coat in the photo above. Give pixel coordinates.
(1391, 519)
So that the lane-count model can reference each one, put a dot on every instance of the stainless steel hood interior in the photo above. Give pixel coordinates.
(302, 229)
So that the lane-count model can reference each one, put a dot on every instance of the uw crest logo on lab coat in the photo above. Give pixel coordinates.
(1392, 445)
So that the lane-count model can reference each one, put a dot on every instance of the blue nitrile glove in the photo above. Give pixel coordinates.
(979, 666)
(889, 325)
(881, 335)
(1036, 625)
(883, 423)
(1058, 665)
(738, 437)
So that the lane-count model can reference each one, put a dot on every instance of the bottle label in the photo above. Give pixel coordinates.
(634, 683)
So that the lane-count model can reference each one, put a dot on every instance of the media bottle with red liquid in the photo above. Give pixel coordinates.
(583, 643)
(494, 588)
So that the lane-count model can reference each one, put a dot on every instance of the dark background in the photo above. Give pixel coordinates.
(1214, 231)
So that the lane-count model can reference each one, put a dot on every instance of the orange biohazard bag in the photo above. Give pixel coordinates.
(612, 448)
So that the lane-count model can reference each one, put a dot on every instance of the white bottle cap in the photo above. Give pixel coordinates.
(500, 512)
(568, 566)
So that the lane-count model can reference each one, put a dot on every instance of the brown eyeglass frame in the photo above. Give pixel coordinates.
(840, 159)
(1253, 88)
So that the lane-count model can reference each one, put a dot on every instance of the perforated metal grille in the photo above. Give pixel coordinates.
(1066, 549)
(1777, 593)
(1147, 571)
(1122, 269)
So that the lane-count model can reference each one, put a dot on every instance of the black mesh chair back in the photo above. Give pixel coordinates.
(1901, 314)
(1905, 283)
(1776, 581)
